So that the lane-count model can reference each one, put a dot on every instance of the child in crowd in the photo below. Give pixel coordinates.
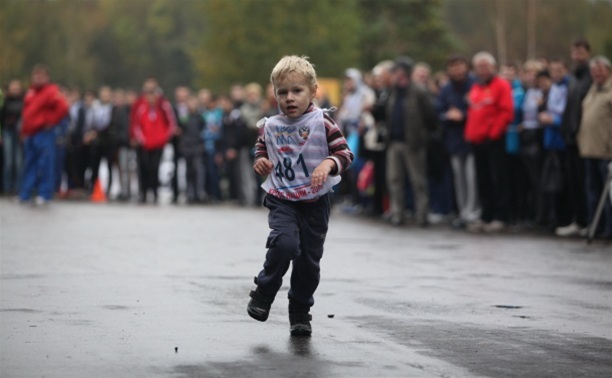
(303, 152)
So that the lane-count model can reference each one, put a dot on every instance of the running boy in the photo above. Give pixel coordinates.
(303, 153)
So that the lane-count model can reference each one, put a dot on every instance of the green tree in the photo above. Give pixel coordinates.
(555, 24)
(403, 27)
(48, 32)
(142, 39)
(244, 39)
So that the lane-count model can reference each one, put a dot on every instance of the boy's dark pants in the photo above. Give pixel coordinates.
(298, 233)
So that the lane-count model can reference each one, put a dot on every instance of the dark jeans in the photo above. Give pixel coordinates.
(148, 171)
(532, 158)
(518, 189)
(77, 159)
(211, 176)
(575, 181)
(441, 194)
(39, 167)
(176, 155)
(194, 176)
(12, 155)
(596, 176)
(298, 233)
(379, 158)
(98, 151)
(492, 179)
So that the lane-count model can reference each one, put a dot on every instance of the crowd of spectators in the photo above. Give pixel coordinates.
(479, 146)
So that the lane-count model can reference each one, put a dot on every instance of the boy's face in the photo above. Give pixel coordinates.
(544, 83)
(192, 103)
(294, 94)
(226, 104)
(557, 71)
(457, 71)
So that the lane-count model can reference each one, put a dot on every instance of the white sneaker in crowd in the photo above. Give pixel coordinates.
(571, 229)
(475, 226)
(494, 226)
(39, 201)
(435, 218)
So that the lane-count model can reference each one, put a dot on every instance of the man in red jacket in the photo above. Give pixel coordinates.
(152, 124)
(489, 113)
(44, 107)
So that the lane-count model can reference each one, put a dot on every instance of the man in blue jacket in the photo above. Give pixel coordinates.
(452, 110)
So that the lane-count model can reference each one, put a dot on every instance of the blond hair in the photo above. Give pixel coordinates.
(294, 64)
(533, 65)
(254, 88)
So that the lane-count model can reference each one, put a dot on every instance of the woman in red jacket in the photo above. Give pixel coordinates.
(152, 123)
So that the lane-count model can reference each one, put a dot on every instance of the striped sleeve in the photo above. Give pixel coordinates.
(260, 147)
(338, 147)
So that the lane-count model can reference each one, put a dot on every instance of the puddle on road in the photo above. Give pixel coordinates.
(21, 310)
(21, 276)
(116, 307)
(444, 247)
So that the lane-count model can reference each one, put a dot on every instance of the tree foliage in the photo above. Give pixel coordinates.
(404, 27)
(248, 37)
(557, 23)
(215, 43)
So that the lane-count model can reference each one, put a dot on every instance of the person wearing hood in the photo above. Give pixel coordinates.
(44, 107)
(410, 119)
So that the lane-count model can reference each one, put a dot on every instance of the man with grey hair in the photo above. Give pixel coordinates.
(595, 138)
(489, 114)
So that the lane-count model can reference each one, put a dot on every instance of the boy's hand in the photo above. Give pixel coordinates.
(320, 174)
(545, 118)
(454, 114)
(263, 167)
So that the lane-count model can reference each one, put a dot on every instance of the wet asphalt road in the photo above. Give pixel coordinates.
(160, 291)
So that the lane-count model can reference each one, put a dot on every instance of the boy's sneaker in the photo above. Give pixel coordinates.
(259, 306)
(300, 323)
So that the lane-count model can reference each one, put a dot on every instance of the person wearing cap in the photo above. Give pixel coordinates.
(595, 138)
(410, 117)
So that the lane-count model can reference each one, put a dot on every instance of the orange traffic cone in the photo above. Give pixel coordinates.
(98, 194)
